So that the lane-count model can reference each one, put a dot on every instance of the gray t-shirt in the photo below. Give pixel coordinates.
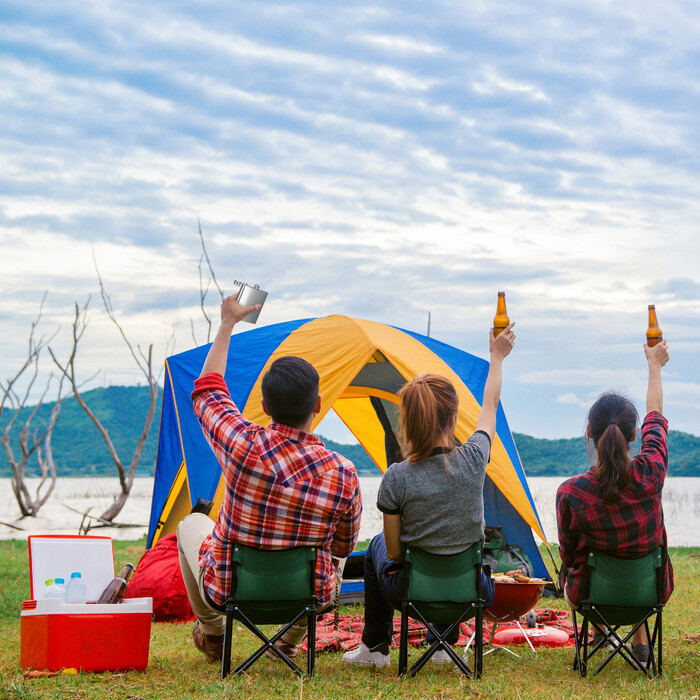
(440, 498)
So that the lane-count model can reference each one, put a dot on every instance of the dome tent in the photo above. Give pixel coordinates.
(361, 364)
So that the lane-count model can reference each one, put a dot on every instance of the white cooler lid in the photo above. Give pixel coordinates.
(57, 556)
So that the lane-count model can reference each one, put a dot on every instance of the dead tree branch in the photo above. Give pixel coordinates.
(30, 442)
(204, 289)
(144, 361)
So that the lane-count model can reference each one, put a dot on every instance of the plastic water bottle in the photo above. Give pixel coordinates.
(52, 590)
(61, 583)
(76, 590)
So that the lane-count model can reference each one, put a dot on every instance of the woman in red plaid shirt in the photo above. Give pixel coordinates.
(615, 507)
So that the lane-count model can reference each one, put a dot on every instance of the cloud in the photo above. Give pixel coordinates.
(583, 377)
(570, 399)
(382, 161)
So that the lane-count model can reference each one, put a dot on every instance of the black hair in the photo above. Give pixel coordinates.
(612, 422)
(290, 390)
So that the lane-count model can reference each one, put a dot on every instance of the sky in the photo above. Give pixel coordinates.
(380, 160)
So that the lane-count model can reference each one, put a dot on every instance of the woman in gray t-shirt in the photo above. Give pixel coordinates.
(433, 499)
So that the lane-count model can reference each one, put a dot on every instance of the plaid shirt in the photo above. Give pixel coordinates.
(283, 489)
(630, 528)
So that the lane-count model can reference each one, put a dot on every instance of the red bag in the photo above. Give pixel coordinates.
(158, 576)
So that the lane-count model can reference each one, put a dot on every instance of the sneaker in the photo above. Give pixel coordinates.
(641, 653)
(289, 650)
(440, 657)
(364, 656)
(610, 641)
(212, 646)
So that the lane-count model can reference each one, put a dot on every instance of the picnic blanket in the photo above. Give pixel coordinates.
(349, 632)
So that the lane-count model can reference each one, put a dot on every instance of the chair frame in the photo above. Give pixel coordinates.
(235, 609)
(595, 615)
(473, 608)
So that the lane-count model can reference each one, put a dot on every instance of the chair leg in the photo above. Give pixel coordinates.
(655, 642)
(440, 642)
(659, 622)
(403, 641)
(621, 647)
(267, 643)
(226, 652)
(577, 643)
(479, 643)
(583, 661)
(311, 644)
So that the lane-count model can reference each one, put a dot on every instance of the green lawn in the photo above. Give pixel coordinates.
(176, 669)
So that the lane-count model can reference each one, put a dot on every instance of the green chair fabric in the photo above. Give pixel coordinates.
(443, 590)
(622, 592)
(270, 587)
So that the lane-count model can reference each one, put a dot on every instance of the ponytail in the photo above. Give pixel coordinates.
(428, 406)
(612, 422)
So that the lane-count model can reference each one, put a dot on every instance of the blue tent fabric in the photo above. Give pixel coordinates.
(169, 448)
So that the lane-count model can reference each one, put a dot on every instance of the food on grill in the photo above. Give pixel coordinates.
(516, 576)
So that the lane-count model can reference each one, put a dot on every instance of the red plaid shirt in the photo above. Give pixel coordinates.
(283, 489)
(630, 528)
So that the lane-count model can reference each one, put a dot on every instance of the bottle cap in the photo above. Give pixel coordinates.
(49, 582)
(76, 574)
(59, 580)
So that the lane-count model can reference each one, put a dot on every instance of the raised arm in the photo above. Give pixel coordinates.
(657, 357)
(499, 348)
(231, 313)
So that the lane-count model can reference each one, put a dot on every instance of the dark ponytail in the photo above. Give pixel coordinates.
(428, 407)
(612, 422)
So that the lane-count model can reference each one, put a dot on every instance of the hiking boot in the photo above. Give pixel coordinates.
(440, 657)
(641, 653)
(211, 645)
(291, 651)
(364, 656)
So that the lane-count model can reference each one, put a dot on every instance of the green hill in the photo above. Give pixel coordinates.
(79, 450)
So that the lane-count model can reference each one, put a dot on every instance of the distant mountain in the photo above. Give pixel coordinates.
(77, 446)
(80, 451)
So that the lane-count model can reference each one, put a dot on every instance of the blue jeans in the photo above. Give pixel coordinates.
(385, 581)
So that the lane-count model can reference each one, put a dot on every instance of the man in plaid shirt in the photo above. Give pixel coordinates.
(283, 487)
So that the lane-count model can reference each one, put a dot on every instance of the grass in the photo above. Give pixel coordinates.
(176, 669)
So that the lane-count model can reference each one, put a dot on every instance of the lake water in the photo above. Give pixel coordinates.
(681, 508)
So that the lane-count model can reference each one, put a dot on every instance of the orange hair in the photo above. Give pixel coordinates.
(428, 407)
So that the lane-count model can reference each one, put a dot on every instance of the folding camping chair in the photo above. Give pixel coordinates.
(621, 592)
(443, 590)
(270, 587)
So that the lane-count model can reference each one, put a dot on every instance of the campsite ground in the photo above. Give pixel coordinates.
(177, 670)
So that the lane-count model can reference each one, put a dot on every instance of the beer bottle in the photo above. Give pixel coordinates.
(500, 320)
(116, 588)
(654, 334)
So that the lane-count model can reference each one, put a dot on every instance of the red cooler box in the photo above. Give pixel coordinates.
(89, 637)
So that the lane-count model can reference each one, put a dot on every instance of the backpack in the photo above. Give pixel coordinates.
(503, 557)
(158, 576)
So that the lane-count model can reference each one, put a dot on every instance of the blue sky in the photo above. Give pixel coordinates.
(377, 160)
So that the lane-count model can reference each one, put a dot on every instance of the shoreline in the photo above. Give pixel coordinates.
(681, 508)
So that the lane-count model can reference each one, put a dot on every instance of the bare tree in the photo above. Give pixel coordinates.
(144, 361)
(204, 290)
(30, 441)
